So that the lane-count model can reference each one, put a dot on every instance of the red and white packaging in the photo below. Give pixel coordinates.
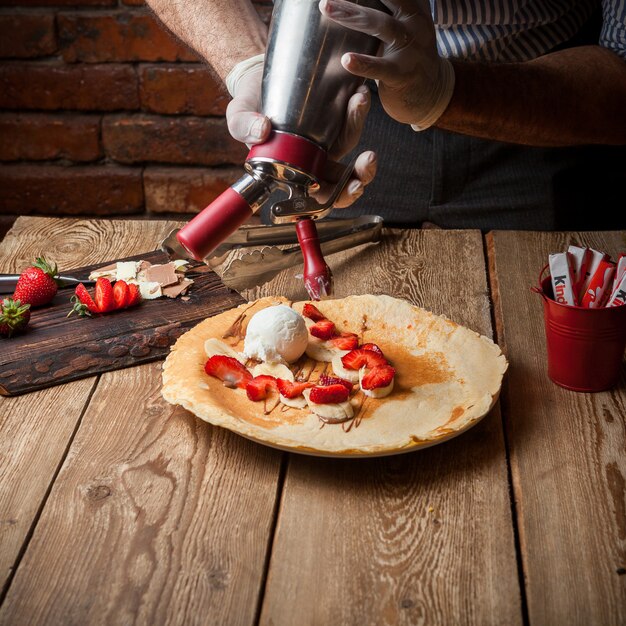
(580, 258)
(618, 297)
(595, 258)
(620, 271)
(599, 287)
(562, 281)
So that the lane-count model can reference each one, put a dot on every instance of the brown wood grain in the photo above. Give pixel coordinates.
(568, 451)
(34, 434)
(155, 518)
(422, 538)
(56, 349)
(35, 430)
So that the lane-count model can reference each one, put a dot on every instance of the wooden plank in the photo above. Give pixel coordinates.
(35, 430)
(56, 349)
(421, 538)
(34, 434)
(156, 518)
(568, 451)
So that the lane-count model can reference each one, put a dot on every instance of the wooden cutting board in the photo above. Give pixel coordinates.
(56, 349)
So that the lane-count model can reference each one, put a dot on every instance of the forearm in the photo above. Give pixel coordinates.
(570, 97)
(224, 32)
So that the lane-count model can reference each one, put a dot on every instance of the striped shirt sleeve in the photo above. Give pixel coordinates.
(613, 34)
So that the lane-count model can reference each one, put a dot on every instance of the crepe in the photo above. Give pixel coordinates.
(447, 378)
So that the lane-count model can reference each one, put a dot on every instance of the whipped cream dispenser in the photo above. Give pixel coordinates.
(305, 92)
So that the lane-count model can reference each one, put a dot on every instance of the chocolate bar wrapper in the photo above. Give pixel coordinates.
(618, 297)
(580, 258)
(599, 286)
(620, 272)
(595, 258)
(561, 276)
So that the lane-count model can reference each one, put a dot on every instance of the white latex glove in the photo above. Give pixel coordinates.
(249, 126)
(414, 83)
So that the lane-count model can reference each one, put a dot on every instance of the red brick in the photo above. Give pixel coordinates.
(80, 190)
(36, 136)
(181, 88)
(27, 36)
(39, 86)
(119, 36)
(185, 189)
(189, 140)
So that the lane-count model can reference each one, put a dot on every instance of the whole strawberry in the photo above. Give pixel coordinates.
(36, 284)
(14, 316)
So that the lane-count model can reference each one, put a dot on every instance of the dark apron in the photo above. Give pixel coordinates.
(458, 181)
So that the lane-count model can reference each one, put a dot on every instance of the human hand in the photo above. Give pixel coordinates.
(244, 121)
(247, 125)
(414, 83)
(365, 164)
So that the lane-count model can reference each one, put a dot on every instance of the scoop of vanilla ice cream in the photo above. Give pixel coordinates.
(276, 334)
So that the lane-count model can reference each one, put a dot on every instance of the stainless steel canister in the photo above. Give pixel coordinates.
(305, 88)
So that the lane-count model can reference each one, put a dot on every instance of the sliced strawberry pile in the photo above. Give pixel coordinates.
(229, 370)
(104, 295)
(312, 312)
(326, 381)
(345, 341)
(107, 297)
(292, 390)
(331, 394)
(258, 388)
(378, 377)
(372, 347)
(356, 359)
(324, 329)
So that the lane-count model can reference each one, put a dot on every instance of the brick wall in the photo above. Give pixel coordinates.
(102, 112)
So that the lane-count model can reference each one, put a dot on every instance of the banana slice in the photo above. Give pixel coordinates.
(330, 413)
(295, 403)
(277, 370)
(341, 371)
(214, 347)
(320, 350)
(380, 392)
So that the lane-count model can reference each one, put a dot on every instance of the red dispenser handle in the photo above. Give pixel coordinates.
(214, 224)
(318, 279)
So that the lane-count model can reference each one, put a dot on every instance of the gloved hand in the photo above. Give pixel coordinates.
(249, 126)
(414, 83)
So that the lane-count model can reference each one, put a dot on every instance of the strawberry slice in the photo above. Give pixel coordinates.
(134, 295)
(312, 312)
(345, 341)
(104, 295)
(356, 359)
(372, 347)
(82, 302)
(120, 294)
(324, 329)
(229, 370)
(292, 390)
(333, 394)
(326, 381)
(377, 377)
(258, 388)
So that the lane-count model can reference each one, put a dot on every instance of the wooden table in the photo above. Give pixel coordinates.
(118, 508)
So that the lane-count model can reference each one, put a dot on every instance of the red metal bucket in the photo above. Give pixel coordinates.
(585, 346)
